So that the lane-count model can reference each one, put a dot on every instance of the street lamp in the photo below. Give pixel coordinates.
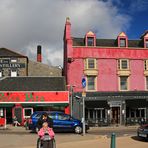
(83, 116)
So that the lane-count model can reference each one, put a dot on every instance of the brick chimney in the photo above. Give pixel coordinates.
(39, 53)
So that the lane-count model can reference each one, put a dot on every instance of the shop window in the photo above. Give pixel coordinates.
(90, 63)
(28, 112)
(91, 83)
(1, 112)
(123, 64)
(123, 83)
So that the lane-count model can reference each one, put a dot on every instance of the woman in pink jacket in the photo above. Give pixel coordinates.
(46, 135)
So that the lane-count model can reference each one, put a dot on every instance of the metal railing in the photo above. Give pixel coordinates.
(98, 122)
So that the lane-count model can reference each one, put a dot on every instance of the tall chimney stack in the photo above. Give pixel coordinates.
(39, 53)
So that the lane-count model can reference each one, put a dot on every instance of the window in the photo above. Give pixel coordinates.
(122, 43)
(123, 83)
(123, 64)
(1, 112)
(90, 41)
(147, 83)
(146, 43)
(90, 63)
(1, 73)
(146, 65)
(28, 112)
(91, 84)
(13, 73)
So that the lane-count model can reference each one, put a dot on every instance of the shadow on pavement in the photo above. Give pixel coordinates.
(136, 138)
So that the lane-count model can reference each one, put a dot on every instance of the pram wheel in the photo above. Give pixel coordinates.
(39, 143)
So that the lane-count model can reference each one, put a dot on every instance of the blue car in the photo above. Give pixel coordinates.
(61, 122)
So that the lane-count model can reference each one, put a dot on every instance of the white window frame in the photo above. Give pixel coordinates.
(24, 112)
(127, 83)
(145, 64)
(87, 63)
(120, 66)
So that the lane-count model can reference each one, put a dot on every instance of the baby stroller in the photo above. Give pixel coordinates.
(47, 142)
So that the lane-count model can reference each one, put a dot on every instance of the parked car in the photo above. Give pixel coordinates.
(61, 122)
(142, 131)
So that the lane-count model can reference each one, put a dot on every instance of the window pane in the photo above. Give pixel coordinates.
(146, 82)
(91, 83)
(90, 41)
(123, 83)
(91, 63)
(146, 44)
(124, 64)
(122, 43)
(145, 64)
(28, 112)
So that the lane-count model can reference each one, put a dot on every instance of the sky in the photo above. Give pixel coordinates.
(24, 24)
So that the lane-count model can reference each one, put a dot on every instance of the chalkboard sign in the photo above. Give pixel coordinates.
(18, 114)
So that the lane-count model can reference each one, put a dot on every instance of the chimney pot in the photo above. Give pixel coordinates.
(39, 53)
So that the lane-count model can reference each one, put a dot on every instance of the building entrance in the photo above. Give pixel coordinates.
(115, 115)
(9, 115)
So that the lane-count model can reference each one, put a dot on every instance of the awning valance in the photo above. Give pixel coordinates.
(138, 103)
(96, 104)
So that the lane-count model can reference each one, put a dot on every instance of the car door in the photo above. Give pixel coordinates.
(63, 122)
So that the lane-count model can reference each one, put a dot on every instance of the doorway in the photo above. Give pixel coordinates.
(115, 115)
(9, 115)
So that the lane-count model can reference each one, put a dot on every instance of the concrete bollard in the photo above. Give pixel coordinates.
(113, 141)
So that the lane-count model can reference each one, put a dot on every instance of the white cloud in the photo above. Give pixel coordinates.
(27, 23)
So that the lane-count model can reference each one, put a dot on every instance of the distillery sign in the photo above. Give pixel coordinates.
(12, 65)
(34, 97)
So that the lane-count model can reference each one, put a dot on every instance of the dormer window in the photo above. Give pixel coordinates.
(122, 40)
(90, 39)
(146, 43)
(144, 37)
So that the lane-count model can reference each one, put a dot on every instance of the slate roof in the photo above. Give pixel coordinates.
(108, 42)
(33, 84)
(8, 53)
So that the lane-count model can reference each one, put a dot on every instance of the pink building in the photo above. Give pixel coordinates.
(116, 72)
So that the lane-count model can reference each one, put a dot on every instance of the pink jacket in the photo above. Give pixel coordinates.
(42, 132)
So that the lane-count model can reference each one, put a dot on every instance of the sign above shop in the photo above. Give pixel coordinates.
(12, 65)
(115, 103)
(34, 97)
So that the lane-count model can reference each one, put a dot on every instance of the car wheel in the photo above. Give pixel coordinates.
(36, 129)
(78, 129)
